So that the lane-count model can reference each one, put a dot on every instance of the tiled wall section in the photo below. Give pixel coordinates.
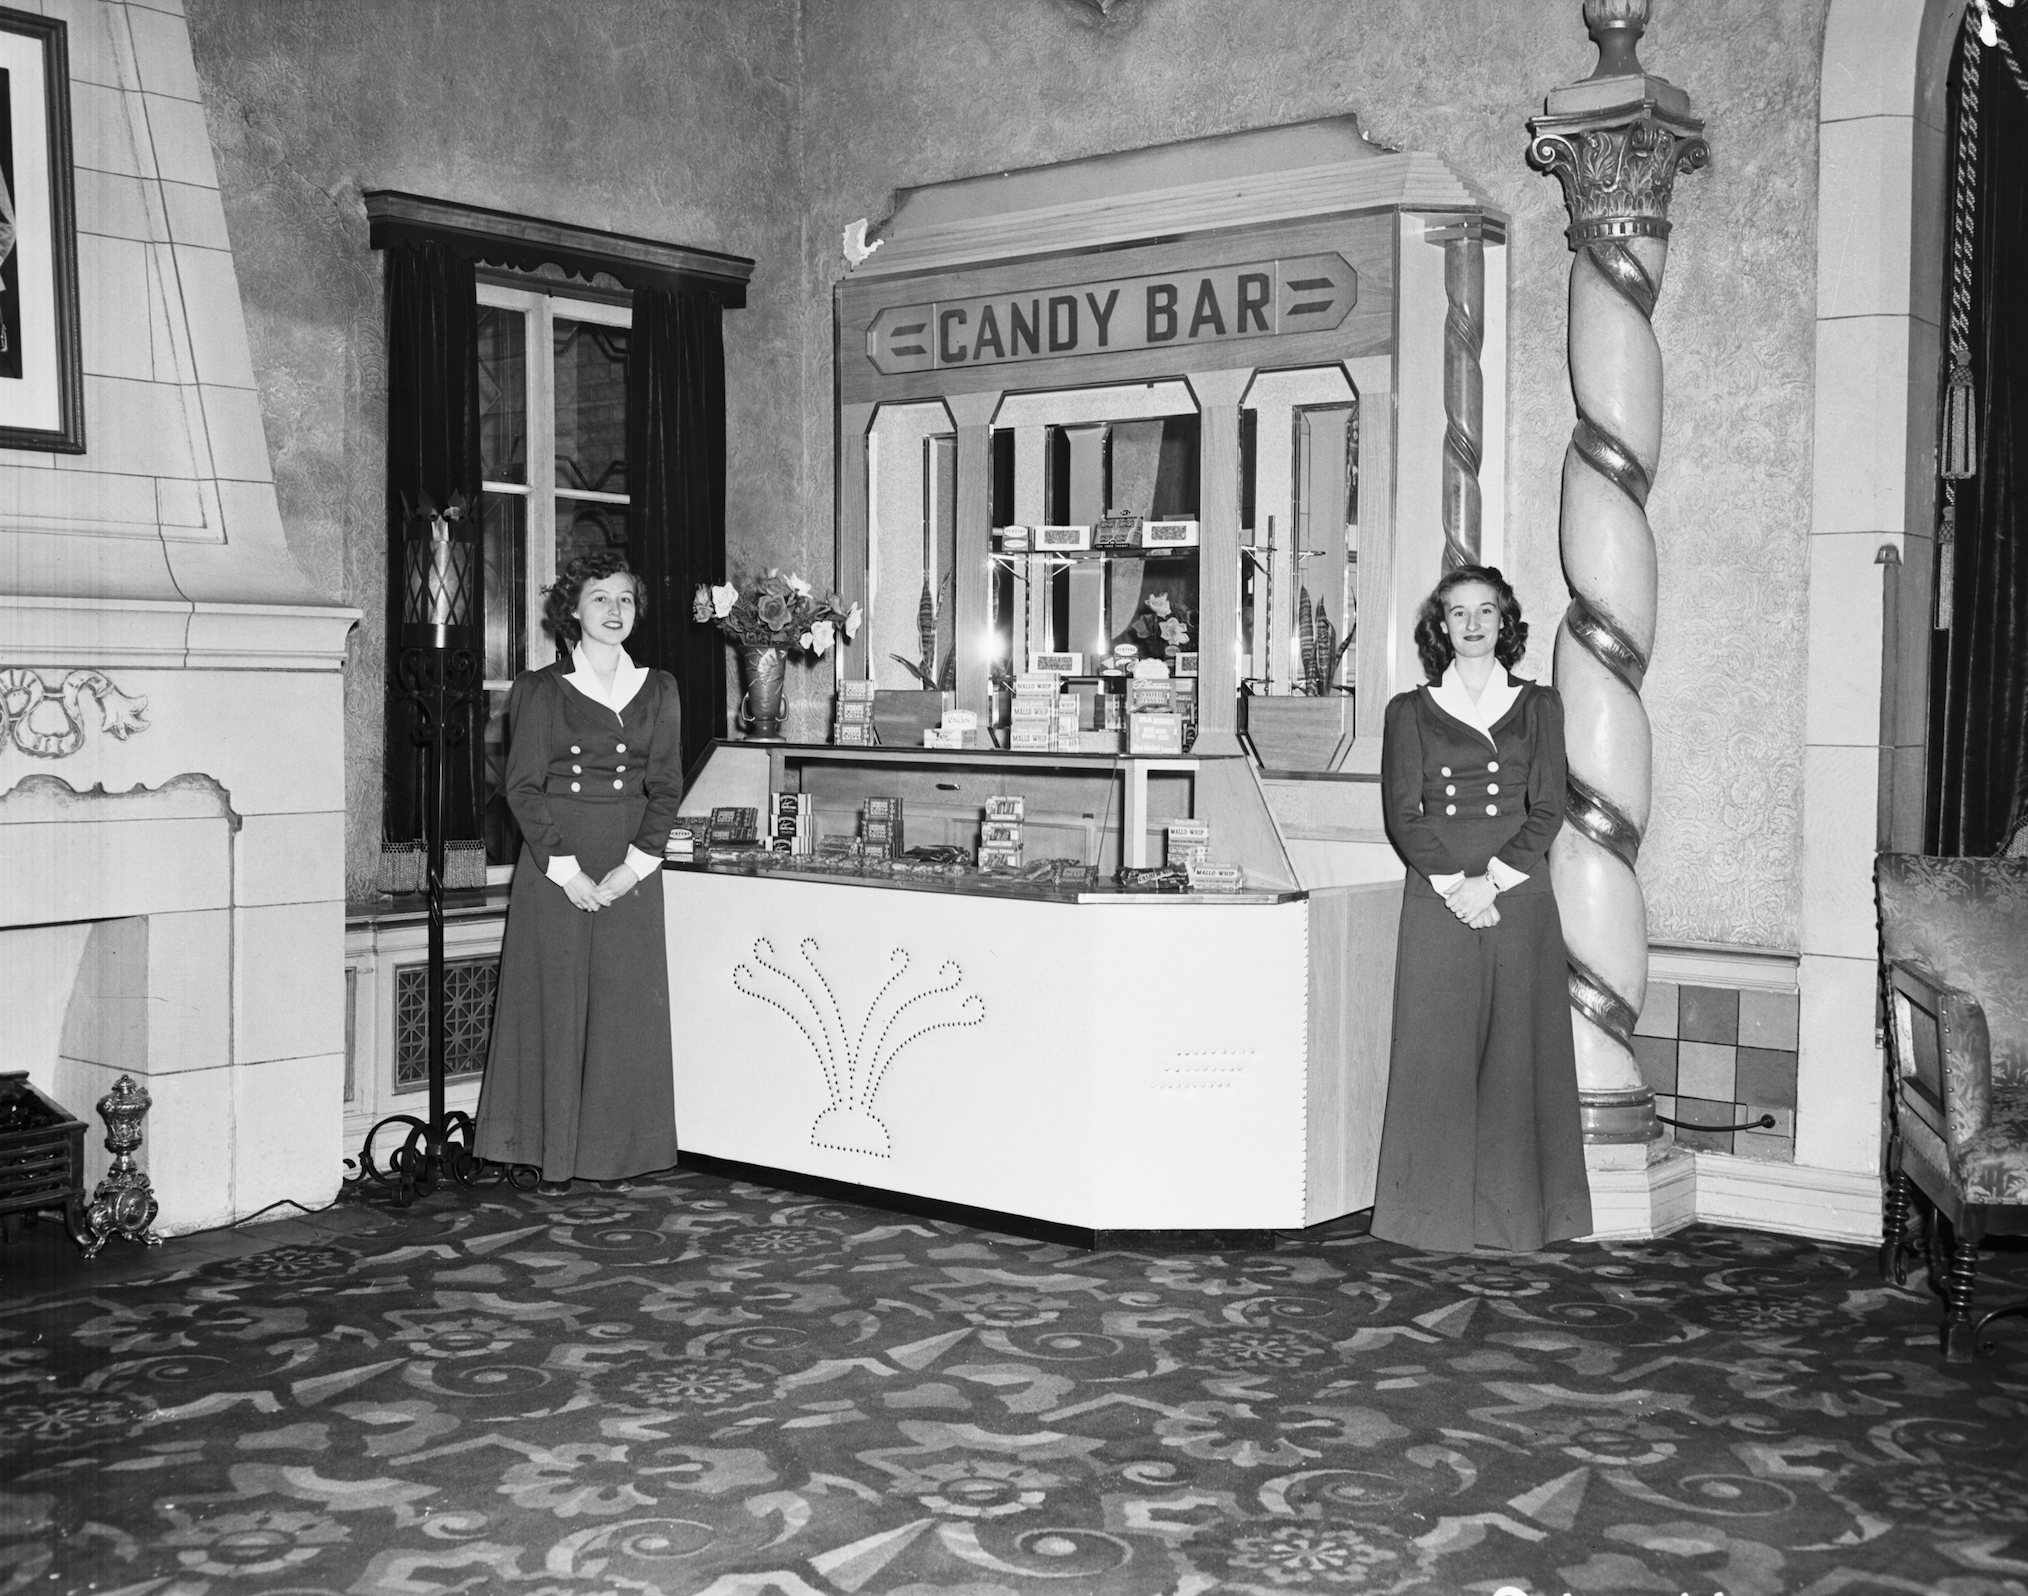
(1719, 1056)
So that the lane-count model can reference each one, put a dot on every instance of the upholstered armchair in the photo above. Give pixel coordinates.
(1954, 971)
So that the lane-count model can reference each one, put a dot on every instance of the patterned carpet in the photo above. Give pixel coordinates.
(710, 1386)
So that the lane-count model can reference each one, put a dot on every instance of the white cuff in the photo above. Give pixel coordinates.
(644, 865)
(562, 868)
(1447, 884)
(1504, 875)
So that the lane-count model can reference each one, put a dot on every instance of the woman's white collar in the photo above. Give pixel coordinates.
(627, 680)
(1483, 713)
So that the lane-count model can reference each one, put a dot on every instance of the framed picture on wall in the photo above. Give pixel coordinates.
(41, 370)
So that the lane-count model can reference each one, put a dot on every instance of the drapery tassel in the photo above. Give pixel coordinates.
(1960, 456)
(1946, 566)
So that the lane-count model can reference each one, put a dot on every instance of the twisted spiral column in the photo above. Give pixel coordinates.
(1617, 158)
(1464, 391)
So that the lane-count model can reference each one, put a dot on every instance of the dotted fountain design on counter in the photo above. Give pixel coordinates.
(854, 1063)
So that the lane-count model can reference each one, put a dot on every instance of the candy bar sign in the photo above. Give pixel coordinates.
(1257, 299)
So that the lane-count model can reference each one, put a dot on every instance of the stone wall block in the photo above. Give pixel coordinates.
(288, 1132)
(112, 277)
(289, 986)
(296, 858)
(162, 52)
(217, 329)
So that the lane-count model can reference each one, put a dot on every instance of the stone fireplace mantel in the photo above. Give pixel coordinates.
(171, 767)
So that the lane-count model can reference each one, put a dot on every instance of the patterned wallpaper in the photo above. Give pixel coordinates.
(764, 126)
(671, 121)
(896, 93)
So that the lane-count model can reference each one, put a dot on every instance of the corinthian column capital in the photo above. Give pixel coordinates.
(1616, 140)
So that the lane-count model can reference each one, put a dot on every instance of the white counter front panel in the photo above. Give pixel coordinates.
(1138, 1065)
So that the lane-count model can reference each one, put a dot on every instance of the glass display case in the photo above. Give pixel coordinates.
(1095, 812)
(1067, 1053)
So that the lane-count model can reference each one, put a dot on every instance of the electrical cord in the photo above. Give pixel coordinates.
(1765, 1122)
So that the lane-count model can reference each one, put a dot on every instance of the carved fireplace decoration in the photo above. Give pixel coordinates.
(49, 721)
(1615, 142)
(854, 1052)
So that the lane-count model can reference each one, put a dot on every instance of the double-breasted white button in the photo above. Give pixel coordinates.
(1491, 786)
(619, 767)
(1492, 764)
(1447, 770)
(619, 784)
(1450, 792)
(575, 749)
(573, 786)
(1491, 809)
(622, 748)
(577, 770)
(1450, 809)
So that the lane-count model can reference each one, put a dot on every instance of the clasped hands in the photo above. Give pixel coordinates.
(591, 896)
(1472, 901)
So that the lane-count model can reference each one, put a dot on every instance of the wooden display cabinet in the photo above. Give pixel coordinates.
(1290, 336)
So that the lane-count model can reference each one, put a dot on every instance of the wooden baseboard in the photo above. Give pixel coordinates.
(1829, 1204)
(1632, 1198)
(1636, 1195)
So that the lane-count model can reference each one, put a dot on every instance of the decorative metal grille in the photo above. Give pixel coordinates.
(469, 986)
(351, 1035)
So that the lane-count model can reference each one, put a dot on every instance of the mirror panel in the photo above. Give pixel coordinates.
(911, 485)
(1299, 443)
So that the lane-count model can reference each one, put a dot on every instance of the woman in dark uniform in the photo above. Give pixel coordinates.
(579, 1081)
(1481, 1145)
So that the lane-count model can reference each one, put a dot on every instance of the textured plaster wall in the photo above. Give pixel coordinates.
(672, 120)
(901, 92)
(764, 126)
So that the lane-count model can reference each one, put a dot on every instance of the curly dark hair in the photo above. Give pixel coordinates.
(560, 598)
(1433, 643)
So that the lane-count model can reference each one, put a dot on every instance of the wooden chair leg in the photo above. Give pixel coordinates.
(1894, 1230)
(1957, 1337)
(1933, 1236)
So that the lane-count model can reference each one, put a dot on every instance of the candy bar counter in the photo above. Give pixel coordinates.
(856, 1004)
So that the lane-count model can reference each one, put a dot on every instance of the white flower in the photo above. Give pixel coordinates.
(819, 637)
(805, 641)
(1158, 603)
(798, 585)
(723, 597)
(852, 620)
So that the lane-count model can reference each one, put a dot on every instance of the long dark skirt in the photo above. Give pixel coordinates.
(580, 1081)
(1481, 1145)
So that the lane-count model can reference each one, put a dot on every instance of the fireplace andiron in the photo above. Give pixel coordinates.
(124, 1203)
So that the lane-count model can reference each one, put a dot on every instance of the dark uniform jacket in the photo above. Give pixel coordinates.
(563, 747)
(1457, 796)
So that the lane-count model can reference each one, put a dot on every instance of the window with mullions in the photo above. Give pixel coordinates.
(567, 410)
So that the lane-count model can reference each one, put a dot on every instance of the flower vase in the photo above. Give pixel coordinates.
(760, 705)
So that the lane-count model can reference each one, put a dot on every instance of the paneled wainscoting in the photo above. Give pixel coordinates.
(1717, 1040)
(386, 1005)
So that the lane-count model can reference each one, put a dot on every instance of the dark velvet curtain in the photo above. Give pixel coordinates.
(432, 454)
(676, 479)
(1978, 740)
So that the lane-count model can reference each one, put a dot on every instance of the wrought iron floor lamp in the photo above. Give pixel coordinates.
(439, 672)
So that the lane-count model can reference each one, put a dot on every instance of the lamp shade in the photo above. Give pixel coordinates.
(437, 589)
